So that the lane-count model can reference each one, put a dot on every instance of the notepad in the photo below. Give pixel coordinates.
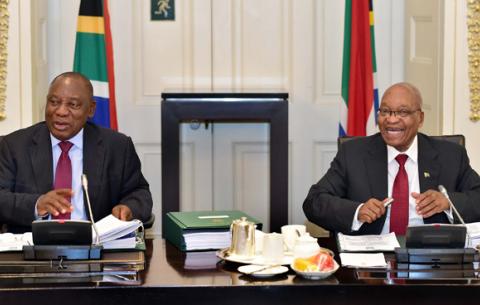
(363, 260)
(15, 242)
(367, 243)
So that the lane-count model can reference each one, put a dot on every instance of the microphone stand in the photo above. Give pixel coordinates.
(443, 190)
(85, 189)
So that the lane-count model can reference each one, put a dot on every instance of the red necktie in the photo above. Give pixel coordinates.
(63, 174)
(399, 207)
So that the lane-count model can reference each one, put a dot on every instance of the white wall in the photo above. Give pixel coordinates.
(456, 82)
(19, 74)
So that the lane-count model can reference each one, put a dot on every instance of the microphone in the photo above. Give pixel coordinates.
(443, 190)
(85, 190)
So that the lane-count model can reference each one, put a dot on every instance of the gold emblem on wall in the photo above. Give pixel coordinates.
(4, 17)
(473, 24)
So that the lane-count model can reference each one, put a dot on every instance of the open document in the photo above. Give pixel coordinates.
(367, 243)
(115, 233)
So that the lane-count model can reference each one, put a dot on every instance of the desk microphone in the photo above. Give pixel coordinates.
(85, 190)
(443, 190)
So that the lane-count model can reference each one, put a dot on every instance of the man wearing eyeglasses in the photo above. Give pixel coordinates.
(397, 163)
(41, 166)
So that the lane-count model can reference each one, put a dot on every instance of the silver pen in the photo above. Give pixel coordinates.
(388, 202)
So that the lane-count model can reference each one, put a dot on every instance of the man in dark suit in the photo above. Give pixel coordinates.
(350, 197)
(29, 160)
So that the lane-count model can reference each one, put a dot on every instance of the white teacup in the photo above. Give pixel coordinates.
(273, 248)
(259, 241)
(291, 233)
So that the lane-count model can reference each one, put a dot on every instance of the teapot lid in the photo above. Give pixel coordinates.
(305, 237)
(242, 221)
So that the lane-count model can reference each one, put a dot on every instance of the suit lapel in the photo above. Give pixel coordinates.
(93, 161)
(40, 152)
(377, 172)
(429, 169)
(428, 165)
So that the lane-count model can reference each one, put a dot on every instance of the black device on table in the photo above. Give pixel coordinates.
(437, 247)
(64, 239)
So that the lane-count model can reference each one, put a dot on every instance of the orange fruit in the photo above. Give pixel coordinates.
(314, 259)
(301, 264)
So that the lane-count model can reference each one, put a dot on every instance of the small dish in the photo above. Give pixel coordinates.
(254, 260)
(316, 275)
(262, 270)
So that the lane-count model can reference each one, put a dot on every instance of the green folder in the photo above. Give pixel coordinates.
(179, 223)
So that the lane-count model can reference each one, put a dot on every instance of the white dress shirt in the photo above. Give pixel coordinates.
(76, 156)
(411, 167)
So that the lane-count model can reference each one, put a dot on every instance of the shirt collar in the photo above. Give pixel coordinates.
(77, 140)
(411, 152)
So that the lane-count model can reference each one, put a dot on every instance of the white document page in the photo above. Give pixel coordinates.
(473, 235)
(363, 260)
(15, 242)
(367, 243)
(111, 228)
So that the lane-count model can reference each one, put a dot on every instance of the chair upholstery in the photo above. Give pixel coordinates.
(149, 223)
(457, 138)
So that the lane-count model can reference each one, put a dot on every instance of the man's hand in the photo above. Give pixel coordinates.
(55, 202)
(371, 210)
(122, 212)
(430, 202)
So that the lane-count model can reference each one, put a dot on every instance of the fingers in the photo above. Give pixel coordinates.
(122, 212)
(430, 202)
(55, 202)
(371, 210)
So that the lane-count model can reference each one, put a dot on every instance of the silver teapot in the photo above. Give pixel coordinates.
(243, 238)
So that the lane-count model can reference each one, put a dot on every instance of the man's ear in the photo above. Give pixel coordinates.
(422, 117)
(92, 108)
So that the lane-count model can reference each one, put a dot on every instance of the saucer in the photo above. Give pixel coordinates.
(254, 260)
(263, 271)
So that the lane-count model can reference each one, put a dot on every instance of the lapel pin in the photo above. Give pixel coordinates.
(426, 174)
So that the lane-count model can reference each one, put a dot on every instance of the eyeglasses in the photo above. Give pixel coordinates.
(399, 113)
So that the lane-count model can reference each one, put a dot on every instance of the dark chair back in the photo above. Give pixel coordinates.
(456, 138)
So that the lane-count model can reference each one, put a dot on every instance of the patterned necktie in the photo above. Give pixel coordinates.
(399, 207)
(63, 174)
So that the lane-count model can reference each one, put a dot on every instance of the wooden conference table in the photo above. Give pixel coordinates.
(170, 277)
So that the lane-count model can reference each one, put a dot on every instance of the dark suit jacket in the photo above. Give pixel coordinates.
(109, 161)
(359, 172)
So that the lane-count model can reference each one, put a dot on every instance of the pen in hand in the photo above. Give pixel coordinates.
(388, 202)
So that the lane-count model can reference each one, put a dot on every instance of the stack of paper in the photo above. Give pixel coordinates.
(363, 260)
(115, 233)
(15, 242)
(473, 235)
(201, 230)
(367, 243)
(207, 240)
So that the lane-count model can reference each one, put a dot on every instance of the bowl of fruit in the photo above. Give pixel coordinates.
(315, 267)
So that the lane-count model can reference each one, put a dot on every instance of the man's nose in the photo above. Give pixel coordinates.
(62, 109)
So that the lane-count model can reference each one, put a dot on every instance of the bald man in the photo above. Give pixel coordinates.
(351, 197)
